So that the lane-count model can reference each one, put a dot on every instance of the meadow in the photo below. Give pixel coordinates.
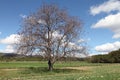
(74, 70)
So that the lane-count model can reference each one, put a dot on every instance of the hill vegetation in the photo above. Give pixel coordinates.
(112, 57)
(17, 57)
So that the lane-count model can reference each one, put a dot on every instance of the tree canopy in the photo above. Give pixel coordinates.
(52, 33)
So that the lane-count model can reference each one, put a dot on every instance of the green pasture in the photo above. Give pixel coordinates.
(74, 70)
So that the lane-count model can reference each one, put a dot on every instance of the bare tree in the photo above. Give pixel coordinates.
(52, 33)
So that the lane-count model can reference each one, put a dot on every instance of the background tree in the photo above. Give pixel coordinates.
(52, 33)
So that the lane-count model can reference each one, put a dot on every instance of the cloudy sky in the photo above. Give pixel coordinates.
(101, 21)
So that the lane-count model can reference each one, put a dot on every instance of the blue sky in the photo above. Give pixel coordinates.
(99, 17)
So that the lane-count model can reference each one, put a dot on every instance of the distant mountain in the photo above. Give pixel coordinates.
(9, 55)
(1, 54)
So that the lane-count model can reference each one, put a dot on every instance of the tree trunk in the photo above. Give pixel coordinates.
(50, 65)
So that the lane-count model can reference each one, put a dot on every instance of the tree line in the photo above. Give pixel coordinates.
(111, 57)
(15, 57)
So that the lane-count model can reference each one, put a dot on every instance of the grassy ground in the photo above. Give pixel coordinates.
(63, 71)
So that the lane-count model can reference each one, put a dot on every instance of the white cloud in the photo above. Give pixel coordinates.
(23, 16)
(111, 22)
(107, 7)
(108, 21)
(97, 53)
(8, 49)
(10, 39)
(40, 21)
(83, 40)
(108, 47)
(74, 46)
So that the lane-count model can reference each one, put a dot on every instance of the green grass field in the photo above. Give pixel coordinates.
(62, 71)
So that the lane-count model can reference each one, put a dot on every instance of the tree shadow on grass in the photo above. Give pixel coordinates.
(44, 70)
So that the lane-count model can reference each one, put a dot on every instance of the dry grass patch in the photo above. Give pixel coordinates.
(83, 68)
(9, 69)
